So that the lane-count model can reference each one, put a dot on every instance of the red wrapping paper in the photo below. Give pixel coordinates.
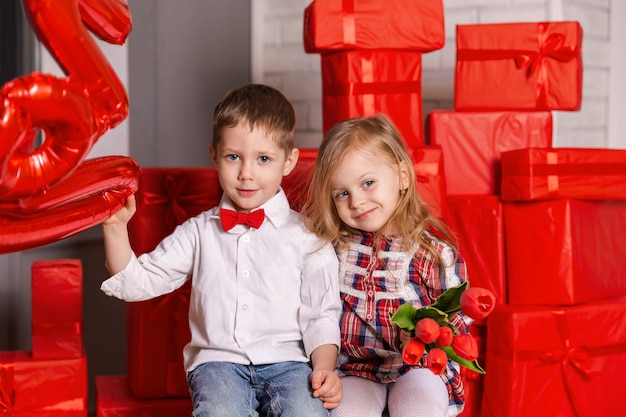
(539, 174)
(478, 223)
(42, 388)
(113, 399)
(472, 381)
(518, 66)
(473, 387)
(332, 25)
(296, 184)
(429, 177)
(473, 142)
(166, 197)
(363, 83)
(564, 252)
(551, 361)
(57, 320)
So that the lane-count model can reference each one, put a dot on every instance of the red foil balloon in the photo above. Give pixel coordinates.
(108, 20)
(46, 191)
(96, 190)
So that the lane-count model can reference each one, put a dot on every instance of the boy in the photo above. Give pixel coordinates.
(264, 298)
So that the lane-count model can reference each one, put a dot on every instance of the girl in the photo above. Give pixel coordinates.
(391, 250)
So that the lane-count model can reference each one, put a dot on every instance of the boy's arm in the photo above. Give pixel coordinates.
(325, 382)
(117, 249)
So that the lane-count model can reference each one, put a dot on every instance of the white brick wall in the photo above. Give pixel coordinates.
(280, 61)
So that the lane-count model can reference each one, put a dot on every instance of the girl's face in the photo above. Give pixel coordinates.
(365, 188)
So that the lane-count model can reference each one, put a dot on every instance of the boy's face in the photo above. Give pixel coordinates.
(250, 165)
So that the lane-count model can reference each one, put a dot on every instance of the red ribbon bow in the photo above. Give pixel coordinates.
(230, 218)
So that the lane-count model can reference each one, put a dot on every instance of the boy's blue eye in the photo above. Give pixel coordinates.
(368, 183)
(264, 159)
(232, 157)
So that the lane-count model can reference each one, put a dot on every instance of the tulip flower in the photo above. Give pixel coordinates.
(465, 346)
(445, 336)
(434, 326)
(477, 302)
(413, 351)
(436, 360)
(427, 330)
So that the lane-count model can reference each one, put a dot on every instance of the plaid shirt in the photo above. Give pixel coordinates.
(375, 278)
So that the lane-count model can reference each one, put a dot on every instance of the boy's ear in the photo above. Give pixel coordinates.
(290, 161)
(403, 171)
(213, 155)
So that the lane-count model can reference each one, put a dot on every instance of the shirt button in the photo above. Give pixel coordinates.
(369, 317)
(245, 274)
(246, 238)
(244, 307)
(370, 293)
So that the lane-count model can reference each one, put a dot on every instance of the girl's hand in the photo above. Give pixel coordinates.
(405, 335)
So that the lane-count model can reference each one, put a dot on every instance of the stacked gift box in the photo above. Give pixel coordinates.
(538, 225)
(371, 58)
(50, 380)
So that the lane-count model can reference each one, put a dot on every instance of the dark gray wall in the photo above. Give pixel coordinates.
(183, 56)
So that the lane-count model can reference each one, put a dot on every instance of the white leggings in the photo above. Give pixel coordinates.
(418, 393)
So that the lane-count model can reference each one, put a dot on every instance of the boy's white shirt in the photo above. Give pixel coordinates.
(258, 296)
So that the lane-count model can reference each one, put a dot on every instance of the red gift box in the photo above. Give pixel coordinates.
(518, 66)
(166, 197)
(539, 174)
(429, 177)
(57, 320)
(113, 399)
(473, 387)
(551, 361)
(478, 224)
(332, 25)
(473, 381)
(473, 142)
(296, 184)
(363, 83)
(43, 388)
(566, 251)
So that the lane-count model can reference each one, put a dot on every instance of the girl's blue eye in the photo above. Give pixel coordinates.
(341, 194)
(232, 157)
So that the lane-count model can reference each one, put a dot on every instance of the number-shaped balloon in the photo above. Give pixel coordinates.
(45, 192)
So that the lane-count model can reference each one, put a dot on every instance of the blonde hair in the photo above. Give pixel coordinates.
(377, 135)
(257, 106)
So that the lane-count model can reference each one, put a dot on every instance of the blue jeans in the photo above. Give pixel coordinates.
(224, 389)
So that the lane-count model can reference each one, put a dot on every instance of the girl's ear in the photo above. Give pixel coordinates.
(403, 172)
(290, 161)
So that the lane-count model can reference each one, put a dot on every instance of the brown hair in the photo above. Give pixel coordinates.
(257, 106)
(378, 135)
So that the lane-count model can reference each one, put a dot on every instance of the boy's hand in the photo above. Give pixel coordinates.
(327, 386)
(123, 215)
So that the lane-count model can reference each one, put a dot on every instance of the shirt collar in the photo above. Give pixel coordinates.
(276, 208)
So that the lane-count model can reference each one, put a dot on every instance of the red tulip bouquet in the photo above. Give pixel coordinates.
(433, 333)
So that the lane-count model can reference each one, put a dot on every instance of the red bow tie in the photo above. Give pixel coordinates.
(230, 218)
